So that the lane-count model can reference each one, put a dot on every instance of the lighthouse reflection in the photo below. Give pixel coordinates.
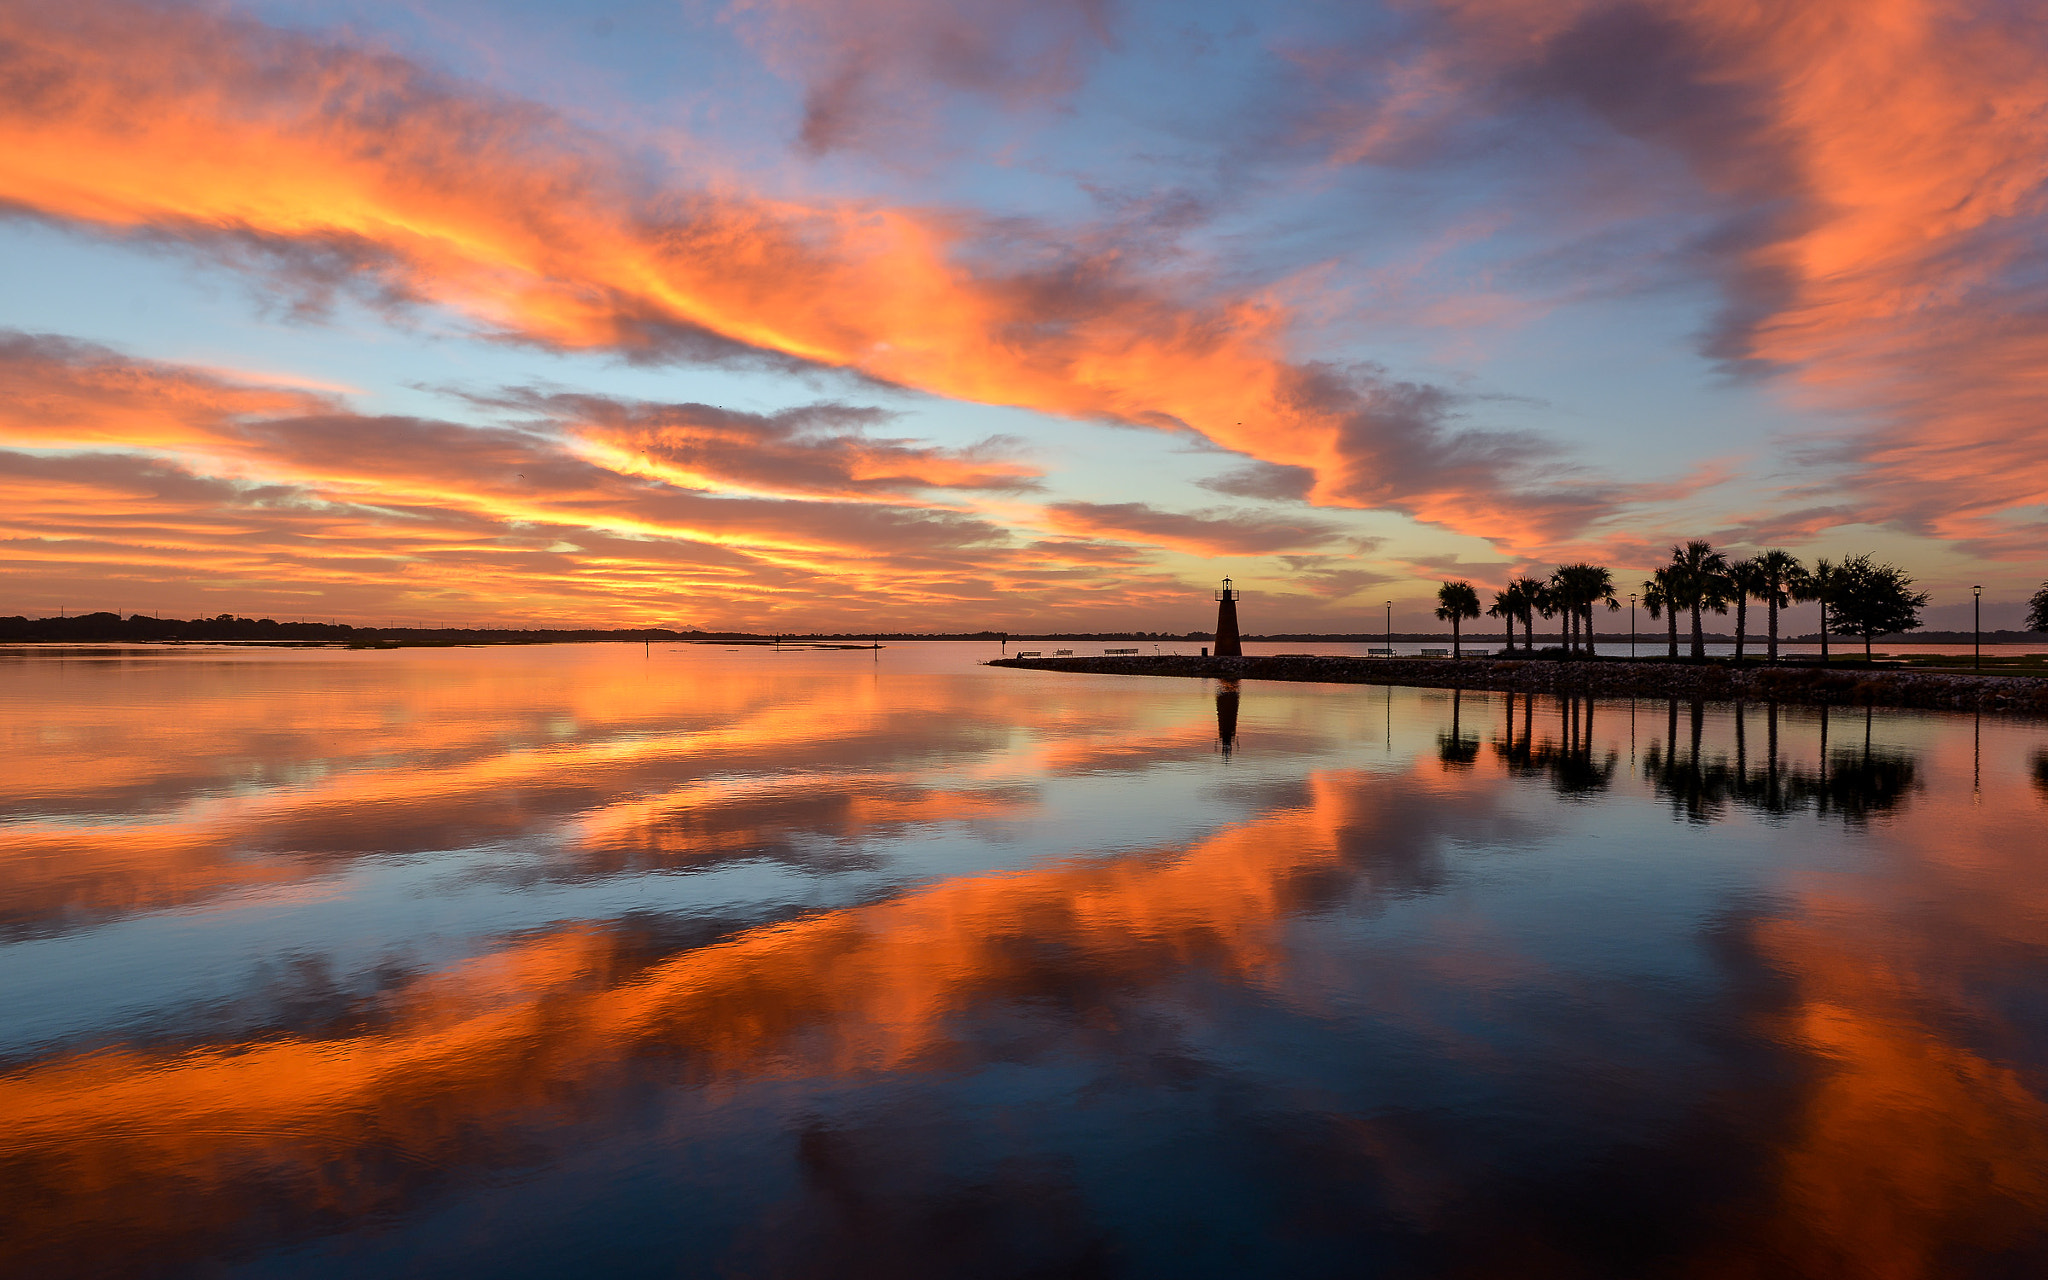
(1226, 715)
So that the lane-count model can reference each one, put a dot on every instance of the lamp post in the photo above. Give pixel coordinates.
(1390, 628)
(1977, 628)
(1631, 626)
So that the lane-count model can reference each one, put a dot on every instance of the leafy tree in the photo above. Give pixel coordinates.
(1456, 601)
(1779, 573)
(1872, 599)
(2037, 610)
(1699, 579)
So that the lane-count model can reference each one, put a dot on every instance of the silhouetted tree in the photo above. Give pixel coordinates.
(1699, 576)
(1503, 607)
(1780, 573)
(1745, 579)
(2037, 610)
(1566, 603)
(1660, 601)
(1591, 586)
(1873, 599)
(1541, 600)
(1819, 586)
(1456, 601)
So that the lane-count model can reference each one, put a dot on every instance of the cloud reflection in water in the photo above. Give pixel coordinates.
(1038, 981)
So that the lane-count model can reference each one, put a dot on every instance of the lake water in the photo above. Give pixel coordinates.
(728, 962)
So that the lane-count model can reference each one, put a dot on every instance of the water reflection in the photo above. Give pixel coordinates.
(1570, 762)
(1850, 783)
(780, 972)
(1454, 747)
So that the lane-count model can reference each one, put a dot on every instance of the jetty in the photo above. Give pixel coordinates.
(1606, 677)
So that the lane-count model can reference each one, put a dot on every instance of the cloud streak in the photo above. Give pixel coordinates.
(1870, 181)
(1206, 533)
(338, 167)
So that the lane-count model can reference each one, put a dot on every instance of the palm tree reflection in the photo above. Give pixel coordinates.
(1569, 762)
(1454, 749)
(1853, 784)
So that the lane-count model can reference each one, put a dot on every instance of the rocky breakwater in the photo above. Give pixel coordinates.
(1705, 682)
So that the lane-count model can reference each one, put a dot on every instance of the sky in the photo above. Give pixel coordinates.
(982, 314)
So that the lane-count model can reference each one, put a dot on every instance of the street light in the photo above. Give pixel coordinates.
(1390, 628)
(1631, 626)
(1977, 629)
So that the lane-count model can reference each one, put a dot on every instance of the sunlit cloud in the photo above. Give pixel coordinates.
(820, 449)
(1866, 183)
(327, 166)
(1205, 533)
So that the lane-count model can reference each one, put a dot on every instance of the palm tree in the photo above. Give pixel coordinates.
(1820, 586)
(1542, 600)
(1661, 601)
(1586, 585)
(1558, 588)
(1745, 579)
(1781, 574)
(1504, 607)
(1700, 575)
(1528, 599)
(1456, 601)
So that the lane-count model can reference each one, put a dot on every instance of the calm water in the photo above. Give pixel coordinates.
(713, 962)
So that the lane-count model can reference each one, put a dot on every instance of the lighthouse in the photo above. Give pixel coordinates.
(1227, 645)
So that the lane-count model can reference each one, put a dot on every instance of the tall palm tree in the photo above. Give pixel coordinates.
(1559, 588)
(1456, 601)
(1586, 585)
(1541, 600)
(1661, 595)
(1504, 607)
(1745, 579)
(1819, 585)
(1528, 598)
(1700, 573)
(1781, 573)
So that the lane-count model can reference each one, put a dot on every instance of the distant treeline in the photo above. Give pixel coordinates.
(143, 629)
(226, 628)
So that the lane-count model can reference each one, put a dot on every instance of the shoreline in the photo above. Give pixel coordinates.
(1878, 687)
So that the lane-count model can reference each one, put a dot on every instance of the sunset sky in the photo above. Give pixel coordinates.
(961, 314)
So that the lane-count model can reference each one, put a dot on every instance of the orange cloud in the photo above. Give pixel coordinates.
(1877, 179)
(178, 1141)
(1208, 533)
(337, 166)
(817, 449)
